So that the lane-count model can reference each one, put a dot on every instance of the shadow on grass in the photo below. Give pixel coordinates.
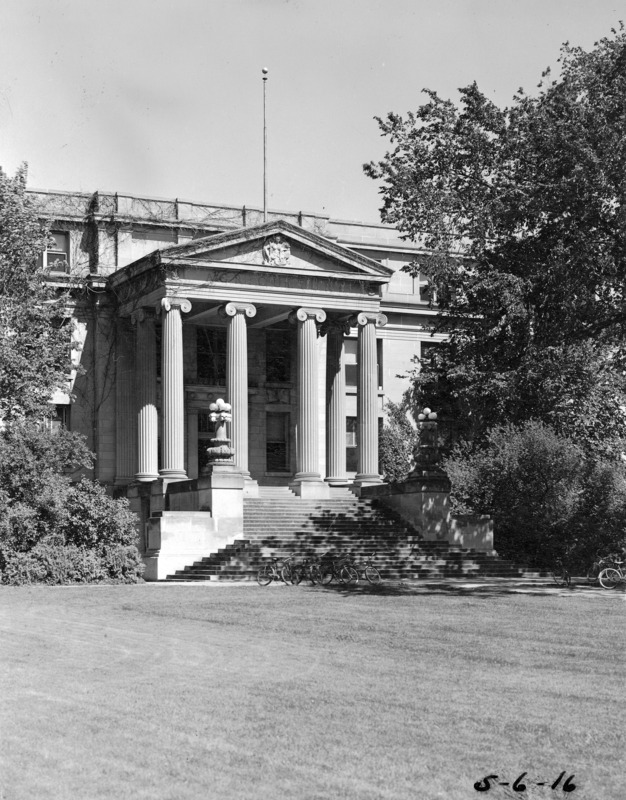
(460, 589)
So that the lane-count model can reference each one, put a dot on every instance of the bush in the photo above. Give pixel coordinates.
(64, 564)
(545, 495)
(54, 530)
(396, 444)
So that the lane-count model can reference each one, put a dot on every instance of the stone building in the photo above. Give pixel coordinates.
(304, 323)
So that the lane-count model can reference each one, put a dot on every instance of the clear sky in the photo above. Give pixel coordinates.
(164, 97)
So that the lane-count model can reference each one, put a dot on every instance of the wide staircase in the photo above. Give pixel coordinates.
(278, 524)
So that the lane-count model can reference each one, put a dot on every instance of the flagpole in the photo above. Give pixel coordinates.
(264, 71)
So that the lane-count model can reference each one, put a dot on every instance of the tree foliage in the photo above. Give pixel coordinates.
(34, 345)
(522, 215)
(396, 443)
(52, 529)
(547, 499)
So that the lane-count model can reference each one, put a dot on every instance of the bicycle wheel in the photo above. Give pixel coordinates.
(592, 573)
(373, 575)
(609, 578)
(561, 577)
(325, 575)
(264, 575)
(287, 573)
(349, 575)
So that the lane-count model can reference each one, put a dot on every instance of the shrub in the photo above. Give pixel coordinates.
(543, 492)
(396, 444)
(64, 564)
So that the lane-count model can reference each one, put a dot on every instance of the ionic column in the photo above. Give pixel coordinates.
(367, 398)
(336, 401)
(307, 320)
(146, 387)
(125, 423)
(173, 388)
(237, 378)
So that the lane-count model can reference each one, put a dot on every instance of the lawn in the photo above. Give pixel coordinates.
(295, 692)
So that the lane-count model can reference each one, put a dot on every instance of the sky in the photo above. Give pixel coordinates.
(164, 98)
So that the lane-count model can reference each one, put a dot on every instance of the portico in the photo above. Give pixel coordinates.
(259, 315)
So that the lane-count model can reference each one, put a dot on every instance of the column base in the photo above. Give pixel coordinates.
(336, 481)
(365, 479)
(173, 475)
(310, 488)
(146, 477)
(250, 486)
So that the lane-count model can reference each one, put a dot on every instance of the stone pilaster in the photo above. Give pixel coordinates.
(237, 378)
(367, 398)
(125, 424)
(173, 388)
(146, 387)
(336, 403)
(308, 472)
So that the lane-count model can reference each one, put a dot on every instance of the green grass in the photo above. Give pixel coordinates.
(240, 692)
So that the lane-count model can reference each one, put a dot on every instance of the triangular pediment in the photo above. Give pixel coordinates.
(277, 246)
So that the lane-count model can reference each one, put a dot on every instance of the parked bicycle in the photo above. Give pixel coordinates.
(611, 577)
(338, 569)
(593, 573)
(367, 570)
(271, 571)
(560, 574)
(309, 569)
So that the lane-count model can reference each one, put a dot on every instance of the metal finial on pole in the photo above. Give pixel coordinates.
(264, 71)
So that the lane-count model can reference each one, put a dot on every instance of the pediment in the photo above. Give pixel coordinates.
(277, 247)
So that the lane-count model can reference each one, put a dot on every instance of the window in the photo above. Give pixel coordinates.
(278, 355)
(277, 442)
(60, 418)
(211, 356)
(57, 255)
(351, 444)
(351, 348)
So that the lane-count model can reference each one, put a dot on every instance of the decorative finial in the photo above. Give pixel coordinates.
(265, 70)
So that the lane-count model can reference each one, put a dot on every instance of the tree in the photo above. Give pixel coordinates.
(396, 443)
(547, 499)
(522, 211)
(34, 345)
(52, 529)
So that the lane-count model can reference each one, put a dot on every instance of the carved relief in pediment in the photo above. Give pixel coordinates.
(276, 251)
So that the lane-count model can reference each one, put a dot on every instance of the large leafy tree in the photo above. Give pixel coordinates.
(522, 215)
(34, 344)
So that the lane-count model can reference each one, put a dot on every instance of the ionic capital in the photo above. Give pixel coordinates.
(181, 303)
(302, 314)
(368, 318)
(232, 309)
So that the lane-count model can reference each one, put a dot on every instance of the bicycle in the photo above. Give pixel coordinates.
(560, 574)
(338, 569)
(271, 571)
(611, 577)
(309, 568)
(368, 570)
(600, 564)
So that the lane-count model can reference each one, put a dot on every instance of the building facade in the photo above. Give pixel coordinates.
(305, 324)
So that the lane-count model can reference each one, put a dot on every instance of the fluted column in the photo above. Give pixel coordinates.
(307, 320)
(147, 418)
(125, 423)
(367, 398)
(336, 400)
(173, 388)
(237, 378)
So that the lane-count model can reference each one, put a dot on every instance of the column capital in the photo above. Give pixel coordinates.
(368, 318)
(232, 309)
(142, 314)
(170, 303)
(302, 314)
